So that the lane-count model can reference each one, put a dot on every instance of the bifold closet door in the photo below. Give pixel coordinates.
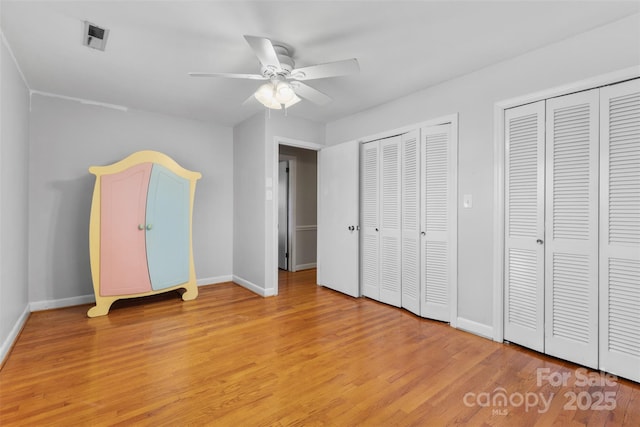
(390, 221)
(571, 216)
(411, 221)
(370, 231)
(620, 229)
(437, 221)
(524, 225)
(381, 220)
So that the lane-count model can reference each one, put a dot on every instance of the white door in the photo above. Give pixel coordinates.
(390, 221)
(370, 220)
(620, 229)
(437, 221)
(571, 235)
(411, 221)
(283, 215)
(524, 225)
(338, 198)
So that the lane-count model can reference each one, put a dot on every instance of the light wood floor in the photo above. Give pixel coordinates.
(308, 357)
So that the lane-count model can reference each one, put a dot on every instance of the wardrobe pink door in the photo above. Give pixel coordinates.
(123, 259)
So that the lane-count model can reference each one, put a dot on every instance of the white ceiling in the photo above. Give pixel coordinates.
(402, 47)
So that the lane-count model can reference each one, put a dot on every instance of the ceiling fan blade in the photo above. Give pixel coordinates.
(250, 101)
(331, 69)
(230, 75)
(313, 95)
(263, 48)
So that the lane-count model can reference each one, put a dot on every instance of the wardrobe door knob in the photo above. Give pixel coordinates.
(140, 227)
(539, 241)
(149, 226)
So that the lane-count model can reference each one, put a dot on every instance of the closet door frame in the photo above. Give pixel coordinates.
(451, 119)
(499, 174)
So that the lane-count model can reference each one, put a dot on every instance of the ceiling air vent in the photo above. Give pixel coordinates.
(94, 36)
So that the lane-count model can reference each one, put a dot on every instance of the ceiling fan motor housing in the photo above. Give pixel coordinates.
(286, 64)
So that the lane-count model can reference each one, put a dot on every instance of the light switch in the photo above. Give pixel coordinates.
(269, 183)
(467, 201)
(269, 195)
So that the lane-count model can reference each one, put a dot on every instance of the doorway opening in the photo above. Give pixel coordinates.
(296, 205)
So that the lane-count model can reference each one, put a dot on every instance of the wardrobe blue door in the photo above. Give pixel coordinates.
(167, 235)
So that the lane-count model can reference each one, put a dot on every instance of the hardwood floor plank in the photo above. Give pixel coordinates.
(310, 356)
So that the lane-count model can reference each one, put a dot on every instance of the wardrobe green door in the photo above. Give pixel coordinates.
(167, 225)
(123, 263)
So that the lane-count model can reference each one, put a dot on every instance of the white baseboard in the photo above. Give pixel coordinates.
(214, 280)
(13, 335)
(305, 266)
(253, 287)
(476, 328)
(88, 299)
(61, 303)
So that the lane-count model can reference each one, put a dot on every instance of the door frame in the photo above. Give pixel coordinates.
(272, 228)
(498, 176)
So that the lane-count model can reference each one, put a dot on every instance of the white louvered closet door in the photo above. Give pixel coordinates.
(411, 222)
(571, 216)
(390, 221)
(436, 221)
(524, 225)
(369, 231)
(620, 229)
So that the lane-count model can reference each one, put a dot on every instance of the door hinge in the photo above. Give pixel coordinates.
(286, 254)
(287, 170)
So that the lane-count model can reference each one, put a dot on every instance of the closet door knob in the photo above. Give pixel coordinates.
(140, 227)
(376, 228)
(149, 226)
(423, 233)
(539, 241)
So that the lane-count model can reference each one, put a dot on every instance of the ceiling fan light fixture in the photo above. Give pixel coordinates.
(284, 93)
(294, 101)
(266, 95)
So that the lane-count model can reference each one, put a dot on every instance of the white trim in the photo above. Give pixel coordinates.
(306, 228)
(476, 328)
(61, 303)
(252, 287)
(13, 335)
(453, 223)
(15, 61)
(80, 100)
(450, 118)
(214, 280)
(498, 176)
(306, 266)
(88, 299)
(272, 270)
(281, 140)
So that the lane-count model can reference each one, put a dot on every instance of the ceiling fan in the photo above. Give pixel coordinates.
(284, 87)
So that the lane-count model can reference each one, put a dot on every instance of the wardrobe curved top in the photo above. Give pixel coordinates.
(146, 156)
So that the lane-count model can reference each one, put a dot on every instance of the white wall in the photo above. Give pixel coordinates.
(248, 203)
(14, 157)
(255, 155)
(609, 48)
(66, 138)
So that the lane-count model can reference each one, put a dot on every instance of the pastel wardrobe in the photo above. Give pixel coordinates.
(140, 229)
